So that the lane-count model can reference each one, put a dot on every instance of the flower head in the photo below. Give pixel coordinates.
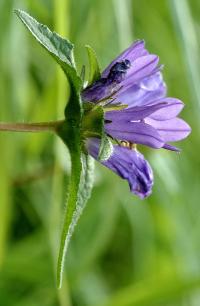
(148, 117)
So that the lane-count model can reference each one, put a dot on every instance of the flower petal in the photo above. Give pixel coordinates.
(134, 113)
(171, 109)
(140, 68)
(129, 165)
(149, 89)
(170, 130)
(131, 53)
(135, 132)
(171, 148)
(97, 91)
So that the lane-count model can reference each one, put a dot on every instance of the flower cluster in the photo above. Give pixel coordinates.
(148, 117)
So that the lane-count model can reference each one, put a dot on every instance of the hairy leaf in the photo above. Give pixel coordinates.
(79, 193)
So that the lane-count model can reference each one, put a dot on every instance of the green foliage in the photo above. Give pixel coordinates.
(106, 148)
(93, 120)
(93, 126)
(81, 182)
(154, 292)
(61, 49)
(123, 251)
(95, 73)
(58, 47)
(70, 132)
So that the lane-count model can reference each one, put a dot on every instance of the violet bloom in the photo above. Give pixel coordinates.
(150, 118)
(129, 165)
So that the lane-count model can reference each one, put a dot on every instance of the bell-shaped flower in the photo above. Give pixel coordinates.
(148, 117)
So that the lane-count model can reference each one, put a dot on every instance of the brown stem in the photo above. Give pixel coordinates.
(30, 127)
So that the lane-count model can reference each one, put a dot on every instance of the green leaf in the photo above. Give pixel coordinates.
(69, 131)
(106, 148)
(59, 48)
(93, 120)
(79, 192)
(85, 186)
(94, 73)
(93, 126)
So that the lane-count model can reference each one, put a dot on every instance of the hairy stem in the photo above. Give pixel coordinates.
(31, 127)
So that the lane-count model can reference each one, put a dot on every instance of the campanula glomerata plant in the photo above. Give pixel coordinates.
(105, 119)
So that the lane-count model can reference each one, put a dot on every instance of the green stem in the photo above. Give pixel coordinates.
(62, 23)
(31, 127)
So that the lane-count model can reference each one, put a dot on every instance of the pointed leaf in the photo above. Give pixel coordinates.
(56, 45)
(78, 196)
(59, 48)
(95, 73)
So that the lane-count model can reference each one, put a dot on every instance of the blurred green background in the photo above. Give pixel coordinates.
(125, 252)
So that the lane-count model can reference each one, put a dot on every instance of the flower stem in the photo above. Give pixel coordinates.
(31, 127)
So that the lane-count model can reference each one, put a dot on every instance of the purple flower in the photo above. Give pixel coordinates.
(129, 165)
(134, 80)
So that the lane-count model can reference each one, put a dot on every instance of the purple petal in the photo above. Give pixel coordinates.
(140, 68)
(171, 109)
(97, 91)
(171, 148)
(131, 53)
(134, 113)
(149, 89)
(129, 165)
(170, 130)
(135, 132)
